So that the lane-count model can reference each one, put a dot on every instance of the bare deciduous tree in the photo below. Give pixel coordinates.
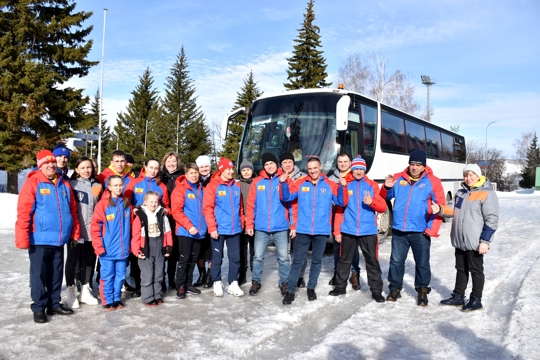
(491, 161)
(521, 146)
(367, 74)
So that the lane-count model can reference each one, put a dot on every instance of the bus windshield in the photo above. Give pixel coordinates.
(302, 124)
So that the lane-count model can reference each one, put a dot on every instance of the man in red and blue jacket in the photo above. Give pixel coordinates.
(269, 217)
(413, 223)
(315, 194)
(356, 225)
(46, 221)
(117, 167)
(224, 214)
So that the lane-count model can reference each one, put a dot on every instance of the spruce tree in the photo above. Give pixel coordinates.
(42, 46)
(235, 128)
(307, 68)
(182, 115)
(137, 124)
(528, 173)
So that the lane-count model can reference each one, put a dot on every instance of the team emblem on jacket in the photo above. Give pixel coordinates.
(403, 182)
(322, 191)
(191, 196)
(222, 193)
(110, 217)
(422, 185)
(261, 187)
(350, 192)
(45, 191)
(235, 193)
(305, 189)
(139, 191)
(126, 214)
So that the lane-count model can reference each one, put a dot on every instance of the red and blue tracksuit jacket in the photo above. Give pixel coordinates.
(313, 214)
(137, 188)
(187, 208)
(412, 204)
(222, 207)
(358, 218)
(265, 210)
(110, 229)
(128, 175)
(46, 212)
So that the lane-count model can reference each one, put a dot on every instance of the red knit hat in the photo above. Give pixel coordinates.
(225, 164)
(45, 156)
(358, 163)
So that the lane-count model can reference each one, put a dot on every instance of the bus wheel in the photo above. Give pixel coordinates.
(385, 219)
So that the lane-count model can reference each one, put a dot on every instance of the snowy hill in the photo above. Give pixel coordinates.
(260, 327)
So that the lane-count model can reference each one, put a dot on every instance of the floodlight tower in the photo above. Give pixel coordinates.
(428, 82)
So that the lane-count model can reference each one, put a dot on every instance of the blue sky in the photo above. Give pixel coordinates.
(484, 54)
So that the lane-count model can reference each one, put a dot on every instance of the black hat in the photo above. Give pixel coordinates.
(266, 157)
(130, 159)
(418, 156)
(286, 156)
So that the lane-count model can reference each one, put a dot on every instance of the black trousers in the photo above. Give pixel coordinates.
(469, 261)
(80, 255)
(370, 249)
(171, 262)
(246, 244)
(188, 251)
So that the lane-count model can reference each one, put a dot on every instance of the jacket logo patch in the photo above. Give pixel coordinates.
(139, 191)
(110, 217)
(305, 189)
(350, 192)
(222, 193)
(126, 214)
(191, 196)
(323, 191)
(45, 191)
(403, 182)
(422, 185)
(261, 187)
(81, 197)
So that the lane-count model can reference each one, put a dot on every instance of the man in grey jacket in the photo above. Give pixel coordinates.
(476, 216)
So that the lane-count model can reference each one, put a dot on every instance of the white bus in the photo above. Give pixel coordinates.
(326, 122)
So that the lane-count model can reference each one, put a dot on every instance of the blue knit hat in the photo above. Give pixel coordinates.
(418, 156)
(61, 150)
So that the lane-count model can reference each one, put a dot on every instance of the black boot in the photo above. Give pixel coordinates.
(333, 280)
(200, 280)
(208, 283)
(454, 300)
(422, 295)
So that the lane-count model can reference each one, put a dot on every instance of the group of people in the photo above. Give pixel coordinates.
(171, 218)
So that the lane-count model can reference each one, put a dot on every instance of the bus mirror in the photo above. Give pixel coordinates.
(226, 118)
(342, 113)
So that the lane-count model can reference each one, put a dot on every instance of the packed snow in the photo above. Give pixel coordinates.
(260, 327)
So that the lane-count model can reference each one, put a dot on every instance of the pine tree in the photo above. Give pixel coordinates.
(138, 122)
(532, 162)
(42, 45)
(307, 68)
(182, 115)
(235, 128)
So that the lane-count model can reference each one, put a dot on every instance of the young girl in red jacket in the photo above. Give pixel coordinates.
(151, 243)
(111, 236)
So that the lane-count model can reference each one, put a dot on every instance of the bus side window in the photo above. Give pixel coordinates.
(393, 134)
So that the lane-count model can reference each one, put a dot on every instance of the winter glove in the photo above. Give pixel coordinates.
(73, 244)
(167, 250)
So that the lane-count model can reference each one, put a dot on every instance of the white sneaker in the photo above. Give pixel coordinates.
(86, 296)
(71, 301)
(218, 288)
(234, 289)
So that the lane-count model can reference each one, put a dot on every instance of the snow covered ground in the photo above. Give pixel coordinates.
(260, 327)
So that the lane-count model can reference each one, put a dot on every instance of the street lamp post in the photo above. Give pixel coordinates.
(486, 148)
(101, 90)
(426, 80)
